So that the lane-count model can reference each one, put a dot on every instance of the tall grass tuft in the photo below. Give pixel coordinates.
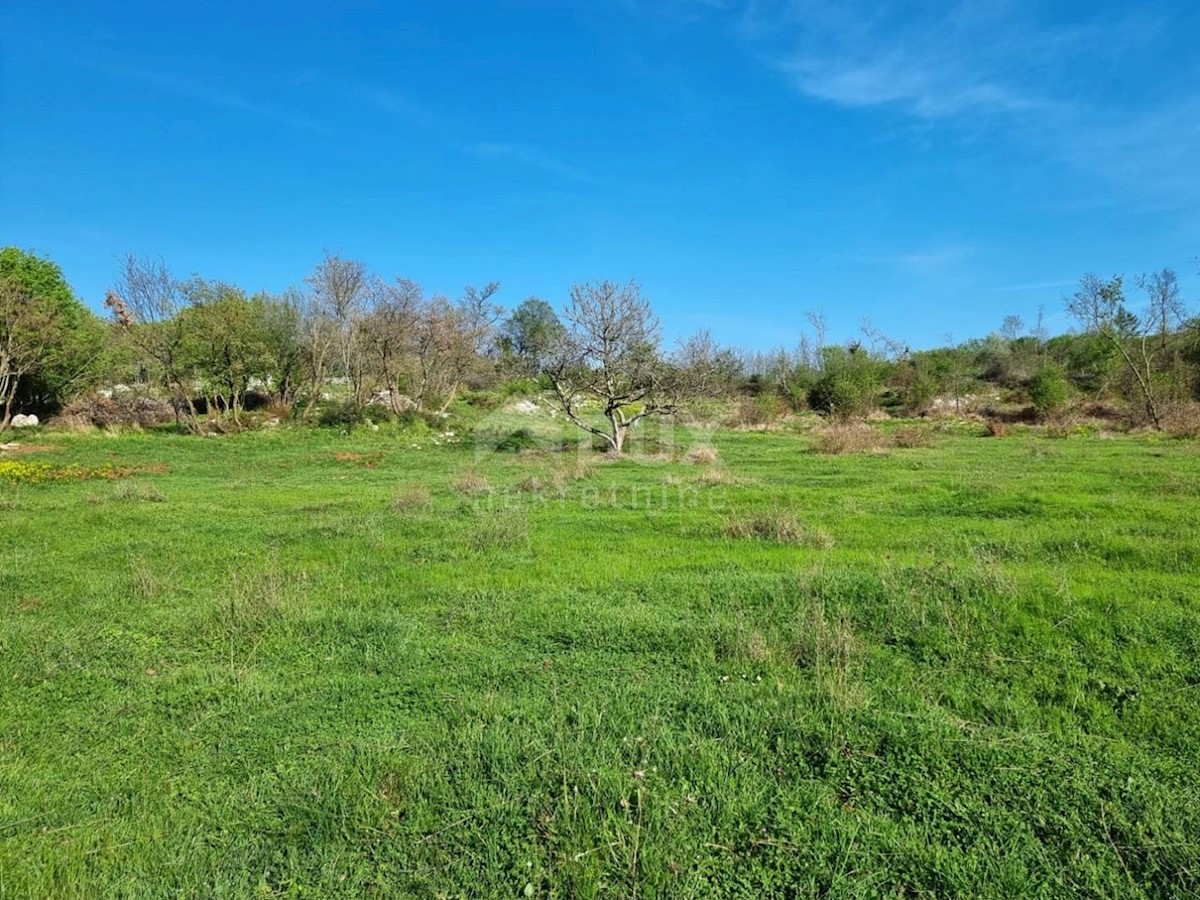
(472, 484)
(780, 527)
(836, 440)
(413, 498)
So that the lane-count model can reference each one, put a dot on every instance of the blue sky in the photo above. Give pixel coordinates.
(931, 166)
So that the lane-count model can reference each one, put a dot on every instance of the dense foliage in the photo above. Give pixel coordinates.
(51, 345)
(349, 337)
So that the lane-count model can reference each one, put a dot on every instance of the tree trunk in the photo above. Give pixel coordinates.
(11, 389)
(619, 432)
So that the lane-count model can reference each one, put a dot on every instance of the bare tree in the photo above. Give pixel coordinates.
(478, 315)
(388, 334)
(702, 368)
(146, 302)
(341, 290)
(1165, 308)
(609, 359)
(1012, 327)
(608, 356)
(318, 340)
(883, 344)
(795, 371)
(1142, 343)
(1038, 331)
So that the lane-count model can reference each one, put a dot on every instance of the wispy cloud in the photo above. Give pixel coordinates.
(934, 261)
(526, 155)
(859, 57)
(1017, 67)
(214, 95)
(402, 105)
(935, 59)
(896, 80)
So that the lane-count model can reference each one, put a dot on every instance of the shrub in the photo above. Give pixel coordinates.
(759, 411)
(472, 484)
(717, 475)
(533, 484)
(703, 456)
(505, 529)
(127, 410)
(913, 436)
(378, 414)
(344, 414)
(575, 470)
(849, 383)
(413, 498)
(278, 409)
(996, 428)
(1049, 390)
(838, 439)
(520, 387)
(919, 390)
(781, 527)
(1183, 419)
(484, 401)
(517, 441)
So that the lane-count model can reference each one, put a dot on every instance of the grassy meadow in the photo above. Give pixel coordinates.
(299, 663)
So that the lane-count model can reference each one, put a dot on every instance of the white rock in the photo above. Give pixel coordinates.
(24, 421)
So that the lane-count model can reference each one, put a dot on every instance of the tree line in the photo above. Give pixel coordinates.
(348, 340)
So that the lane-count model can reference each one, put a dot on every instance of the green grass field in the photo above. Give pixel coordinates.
(272, 665)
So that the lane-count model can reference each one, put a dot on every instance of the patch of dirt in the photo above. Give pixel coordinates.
(15, 447)
(369, 461)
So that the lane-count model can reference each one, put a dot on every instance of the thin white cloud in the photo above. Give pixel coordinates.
(896, 80)
(934, 261)
(399, 104)
(213, 95)
(526, 155)
(1017, 67)
(929, 63)
(403, 106)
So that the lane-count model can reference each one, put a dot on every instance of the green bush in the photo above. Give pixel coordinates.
(850, 381)
(1049, 390)
(409, 418)
(515, 442)
(520, 387)
(344, 414)
(759, 410)
(484, 401)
